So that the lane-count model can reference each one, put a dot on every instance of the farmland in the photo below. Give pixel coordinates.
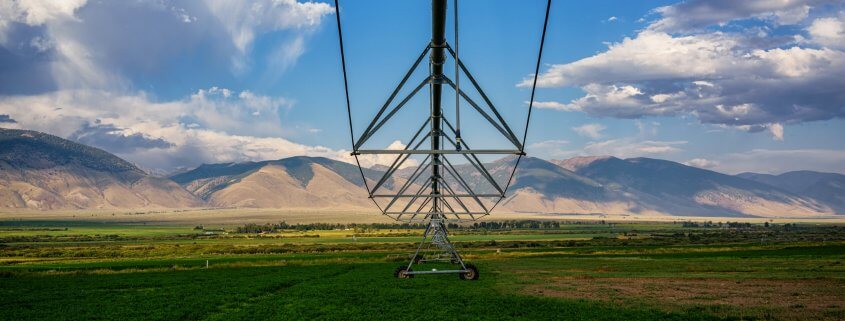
(575, 269)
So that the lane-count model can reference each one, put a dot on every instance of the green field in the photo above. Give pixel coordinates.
(579, 270)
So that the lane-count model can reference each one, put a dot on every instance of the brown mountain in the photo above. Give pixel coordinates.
(300, 182)
(585, 185)
(828, 188)
(46, 172)
(42, 171)
(660, 186)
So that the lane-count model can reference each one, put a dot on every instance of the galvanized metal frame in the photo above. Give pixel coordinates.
(431, 201)
(426, 195)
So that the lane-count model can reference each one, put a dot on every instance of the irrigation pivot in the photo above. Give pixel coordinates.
(448, 181)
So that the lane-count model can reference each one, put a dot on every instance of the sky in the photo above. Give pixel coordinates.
(731, 86)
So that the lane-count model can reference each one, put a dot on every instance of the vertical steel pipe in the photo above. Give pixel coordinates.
(438, 58)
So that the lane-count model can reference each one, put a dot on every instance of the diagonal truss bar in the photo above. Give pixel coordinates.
(389, 115)
(411, 202)
(422, 206)
(453, 212)
(441, 195)
(506, 131)
(457, 200)
(472, 159)
(397, 163)
(481, 92)
(417, 173)
(452, 171)
(413, 199)
(393, 95)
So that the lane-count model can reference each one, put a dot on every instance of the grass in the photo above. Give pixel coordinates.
(579, 271)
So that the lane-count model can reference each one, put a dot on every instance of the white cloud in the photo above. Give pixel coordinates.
(612, 19)
(370, 160)
(774, 129)
(777, 131)
(42, 44)
(86, 69)
(829, 32)
(79, 47)
(286, 55)
(649, 56)
(35, 12)
(549, 144)
(243, 20)
(696, 14)
(716, 77)
(779, 161)
(702, 163)
(590, 130)
(212, 125)
(50, 14)
(626, 148)
(693, 60)
(555, 105)
(553, 148)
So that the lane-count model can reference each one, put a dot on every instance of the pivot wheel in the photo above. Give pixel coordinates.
(470, 274)
(401, 273)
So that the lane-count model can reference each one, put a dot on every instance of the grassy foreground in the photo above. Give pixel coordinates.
(78, 270)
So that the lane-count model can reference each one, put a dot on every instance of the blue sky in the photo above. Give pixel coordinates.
(726, 85)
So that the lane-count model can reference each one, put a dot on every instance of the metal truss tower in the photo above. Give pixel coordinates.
(438, 190)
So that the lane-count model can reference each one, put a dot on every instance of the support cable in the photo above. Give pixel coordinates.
(530, 102)
(457, 81)
(348, 105)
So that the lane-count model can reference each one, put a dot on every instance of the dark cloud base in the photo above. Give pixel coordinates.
(113, 139)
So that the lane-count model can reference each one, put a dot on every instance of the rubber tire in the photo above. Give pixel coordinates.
(472, 275)
(399, 273)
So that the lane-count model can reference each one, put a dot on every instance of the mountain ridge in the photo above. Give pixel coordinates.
(46, 172)
(825, 187)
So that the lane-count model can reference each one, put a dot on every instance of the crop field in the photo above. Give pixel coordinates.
(63, 270)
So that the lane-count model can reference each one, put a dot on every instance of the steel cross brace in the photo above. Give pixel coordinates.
(437, 236)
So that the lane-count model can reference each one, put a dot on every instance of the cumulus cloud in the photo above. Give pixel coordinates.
(116, 140)
(75, 44)
(69, 71)
(590, 130)
(697, 14)
(777, 131)
(35, 13)
(702, 163)
(371, 160)
(210, 126)
(676, 67)
(625, 148)
(555, 105)
(829, 32)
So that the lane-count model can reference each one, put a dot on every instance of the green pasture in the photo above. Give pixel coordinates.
(91, 271)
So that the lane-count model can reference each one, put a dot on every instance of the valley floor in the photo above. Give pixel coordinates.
(578, 270)
(233, 216)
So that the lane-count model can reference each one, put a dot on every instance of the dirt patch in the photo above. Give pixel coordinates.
(794, 299)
